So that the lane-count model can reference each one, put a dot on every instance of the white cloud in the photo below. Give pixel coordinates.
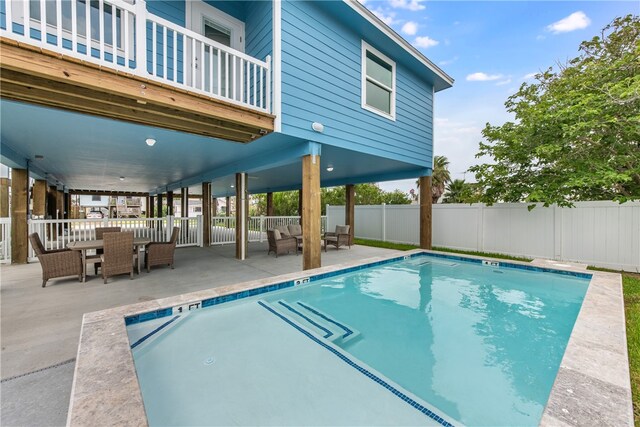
(448, 61)
(413, 5)
(483, 77)
(410, 28)
(504, 82)
(425, 42)
(362, 1)
(529, 76)
(575, 21)
(388, 19)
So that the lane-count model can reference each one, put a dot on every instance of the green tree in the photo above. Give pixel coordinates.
(458, 191)
(440, 176)
(396, 197)
(576, 134)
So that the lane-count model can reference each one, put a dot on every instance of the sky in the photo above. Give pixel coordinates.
(490, 48)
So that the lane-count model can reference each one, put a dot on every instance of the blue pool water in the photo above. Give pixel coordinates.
(480, 344)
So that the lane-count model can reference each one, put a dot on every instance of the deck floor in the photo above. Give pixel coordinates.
(41, 327)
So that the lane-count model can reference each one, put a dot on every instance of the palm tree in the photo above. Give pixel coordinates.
(456, 192)
(440, 176)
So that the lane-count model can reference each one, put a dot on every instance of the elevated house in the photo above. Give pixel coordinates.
(138, 98)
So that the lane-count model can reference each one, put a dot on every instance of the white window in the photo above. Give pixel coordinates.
(378, 82)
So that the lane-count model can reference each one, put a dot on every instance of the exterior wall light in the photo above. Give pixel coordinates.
(318, 127)
(150, 142)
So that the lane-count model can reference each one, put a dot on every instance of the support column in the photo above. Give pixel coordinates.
(39, 198)
(425, 212)
(228, 206)
(270, 204)
(350, 210)
(300, 205)
(206, 214)
(147, 203)
(67, 205)
(241, 216)
(60, 210)
(184, 201)
(151, 207)
(159, 205)
(214, 207)
(52, 206)
(4, 200)
(311, 212)
(19, 206)
(170, 203)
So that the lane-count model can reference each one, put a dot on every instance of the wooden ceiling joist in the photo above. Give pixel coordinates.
(107, 193)
(45, 78)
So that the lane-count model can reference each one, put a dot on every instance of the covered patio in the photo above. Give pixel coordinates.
(41, 328)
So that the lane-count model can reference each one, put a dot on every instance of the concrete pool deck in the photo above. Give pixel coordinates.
(592, 386)
(40, 328)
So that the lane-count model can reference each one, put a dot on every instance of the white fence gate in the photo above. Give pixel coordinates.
(604, 234)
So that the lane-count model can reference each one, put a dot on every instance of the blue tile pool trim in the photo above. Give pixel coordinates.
(155, 331)
(328, 319)
(426, 411)
(327, 332)
(164, 312)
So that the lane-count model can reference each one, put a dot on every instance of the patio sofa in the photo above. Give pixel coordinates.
(280, 243)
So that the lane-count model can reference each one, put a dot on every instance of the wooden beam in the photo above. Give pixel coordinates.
(170, 203)
(300, 205)
(152, 207)
(425, 212)
(52, 207)
(39, 198)
(270, 204)
(228, 208)
(47, 78)
(19, 206)
(311, 212)
(350, 210)
(214, 207)
(159, 214)
(184, 201)
(242, 216)
(206, 214)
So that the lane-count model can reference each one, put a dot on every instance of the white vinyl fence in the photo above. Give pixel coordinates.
(604, 234)
(5, 240)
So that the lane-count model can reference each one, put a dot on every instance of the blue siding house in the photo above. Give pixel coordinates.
(235, 95)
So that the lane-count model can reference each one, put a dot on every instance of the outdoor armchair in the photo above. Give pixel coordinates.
(281, 244)
(161, 253)
(117, 257)
(56, 263)
(338, 238)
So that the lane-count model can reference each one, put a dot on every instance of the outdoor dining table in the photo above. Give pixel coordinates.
(84, 245)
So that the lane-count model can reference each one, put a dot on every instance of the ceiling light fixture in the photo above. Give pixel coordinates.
(233, 186)
(330, 168)
(150, 142)
(122, 178)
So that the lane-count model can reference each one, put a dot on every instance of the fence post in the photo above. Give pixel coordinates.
(200, 231)
(141, 39)
(480, 215)
(384, 222)
(261, 228)
(557, 232)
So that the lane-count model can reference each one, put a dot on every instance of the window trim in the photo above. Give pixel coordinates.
(366, 47)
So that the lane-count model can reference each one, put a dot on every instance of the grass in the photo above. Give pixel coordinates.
(405, 247)
(631, 290)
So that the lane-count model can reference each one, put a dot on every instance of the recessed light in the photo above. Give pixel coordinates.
(233, 186)
(329, 168)
(150, 142)
(122, 178)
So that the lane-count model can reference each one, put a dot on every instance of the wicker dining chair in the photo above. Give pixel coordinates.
(56, 263)
(99, 233)
(161, 253)
(117, 257)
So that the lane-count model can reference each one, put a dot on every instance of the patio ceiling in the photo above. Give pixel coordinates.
(83, 152)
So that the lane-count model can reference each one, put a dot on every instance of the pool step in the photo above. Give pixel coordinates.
(314, 320)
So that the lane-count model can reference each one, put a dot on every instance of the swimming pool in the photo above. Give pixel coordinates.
(449, 339)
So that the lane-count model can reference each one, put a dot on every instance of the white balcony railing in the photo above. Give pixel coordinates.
(125, 36)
